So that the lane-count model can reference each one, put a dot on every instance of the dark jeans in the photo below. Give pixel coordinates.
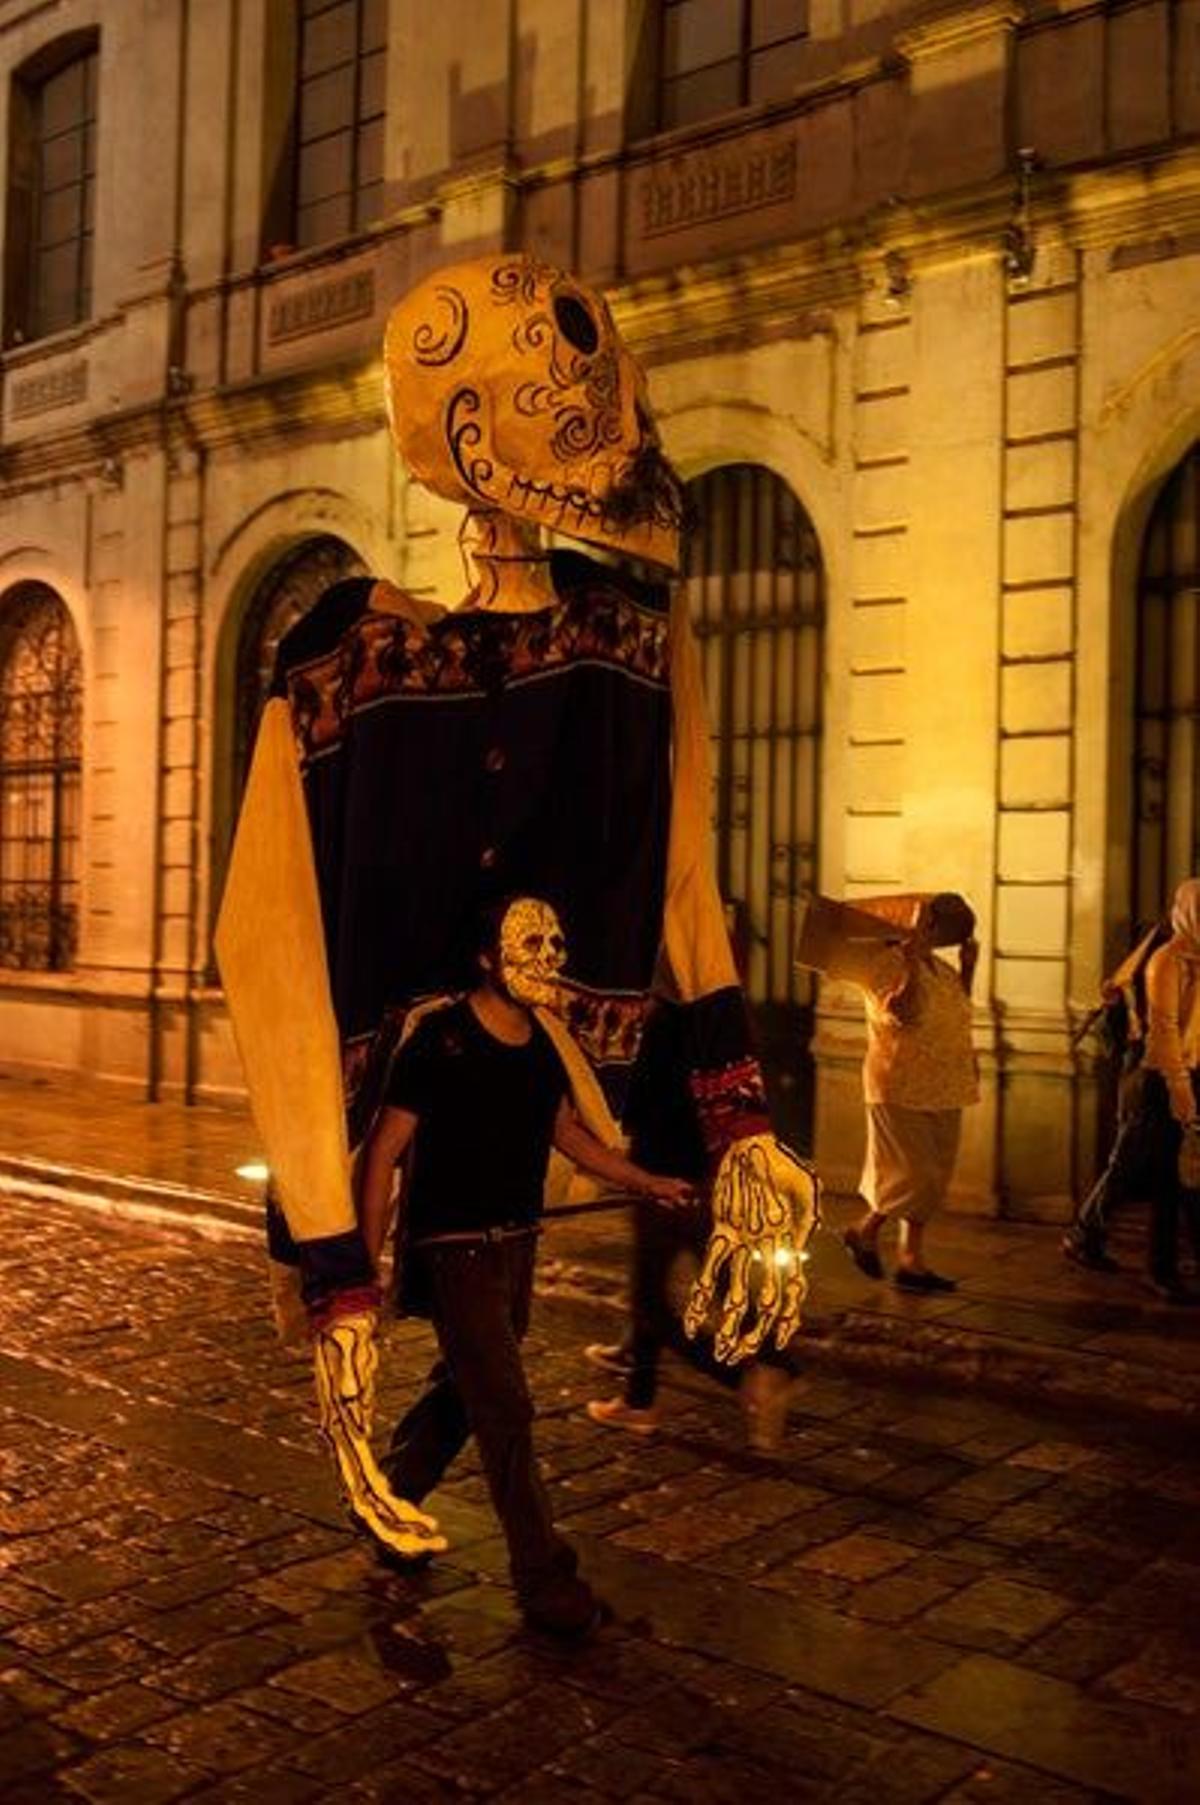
(660, 1237)
(1144, 1162)
(479, 1302)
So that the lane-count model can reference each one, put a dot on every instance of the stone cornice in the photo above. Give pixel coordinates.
(330, 402)
(794, 290)
(789, 293)
(957, 30)
(19, 357)
(1139, 198)
(325, 401)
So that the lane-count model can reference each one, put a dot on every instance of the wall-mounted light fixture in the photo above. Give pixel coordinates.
(1020, 252)
(897, 280)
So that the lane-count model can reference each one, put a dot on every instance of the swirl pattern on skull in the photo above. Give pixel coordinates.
(439, 341)
(508, 387)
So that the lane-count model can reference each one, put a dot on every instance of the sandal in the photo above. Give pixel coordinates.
(863, 1254)
(924, 1280)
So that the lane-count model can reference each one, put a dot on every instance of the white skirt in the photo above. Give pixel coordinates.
(910, 1159)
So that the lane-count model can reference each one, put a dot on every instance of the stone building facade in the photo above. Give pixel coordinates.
(918, 287)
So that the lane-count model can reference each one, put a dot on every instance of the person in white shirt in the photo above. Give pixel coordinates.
(919, 1074)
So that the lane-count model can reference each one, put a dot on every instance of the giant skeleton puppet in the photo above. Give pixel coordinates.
(546, 738)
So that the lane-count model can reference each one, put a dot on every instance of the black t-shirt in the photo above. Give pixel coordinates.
(485, 1121)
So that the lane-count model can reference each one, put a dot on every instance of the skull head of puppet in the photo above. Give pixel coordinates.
(532, 951)
(508, 389)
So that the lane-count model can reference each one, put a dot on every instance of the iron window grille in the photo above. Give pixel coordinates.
(1166, 774)
(756, 590)
(41, 707)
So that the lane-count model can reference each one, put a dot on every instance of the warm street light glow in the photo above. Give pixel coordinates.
(255, 1171)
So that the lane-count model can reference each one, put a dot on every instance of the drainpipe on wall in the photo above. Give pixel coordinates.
(154, 1056)
(176, 385)
(196, 913)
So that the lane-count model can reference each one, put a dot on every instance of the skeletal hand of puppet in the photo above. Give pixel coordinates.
(346, 1357)
(765, 1205)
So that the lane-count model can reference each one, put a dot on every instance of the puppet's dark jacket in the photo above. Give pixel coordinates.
(413, 764)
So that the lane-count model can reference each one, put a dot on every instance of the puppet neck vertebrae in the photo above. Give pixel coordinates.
(508, 567)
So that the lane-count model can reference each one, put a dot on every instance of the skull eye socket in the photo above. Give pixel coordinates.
(574, 320)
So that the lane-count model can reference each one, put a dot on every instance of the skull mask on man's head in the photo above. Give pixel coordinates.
(508, 388)
(533, 951)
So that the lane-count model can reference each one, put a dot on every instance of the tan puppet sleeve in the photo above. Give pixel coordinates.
(695, 936)
(271, 953)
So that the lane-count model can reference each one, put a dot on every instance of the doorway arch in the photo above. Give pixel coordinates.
(284, 595)
(293, 581)
(1166, 737)
(756, 587)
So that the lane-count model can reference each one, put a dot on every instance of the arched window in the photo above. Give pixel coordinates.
(1167, 729)
(289, 590)
(756, 586)
(51, 189)
(717, 55)
(340, 108)
(41, 705)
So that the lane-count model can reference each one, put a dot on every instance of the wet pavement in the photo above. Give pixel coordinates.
(1022, 1321)
(927, 1596)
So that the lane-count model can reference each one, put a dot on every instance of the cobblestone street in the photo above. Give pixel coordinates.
(928, 1596)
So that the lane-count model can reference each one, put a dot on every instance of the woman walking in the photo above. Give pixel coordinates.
(920, 1072)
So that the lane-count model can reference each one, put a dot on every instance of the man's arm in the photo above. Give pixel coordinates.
(584, 1150)
(888, 975)
(968, 959)
(393, 1130)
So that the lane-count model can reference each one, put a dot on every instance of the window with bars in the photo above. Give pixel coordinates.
(756, 589)
(52, 189)
(717, 55)
(1167, 727)
(41, 705)
(340, 108)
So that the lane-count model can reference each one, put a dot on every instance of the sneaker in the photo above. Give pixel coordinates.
(764, 1395)
(1089, 1254)
(614, 1359)
(569, 1609)
(924, 1280)
(408, 1564)
(862, 1253)
(615, 1413)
